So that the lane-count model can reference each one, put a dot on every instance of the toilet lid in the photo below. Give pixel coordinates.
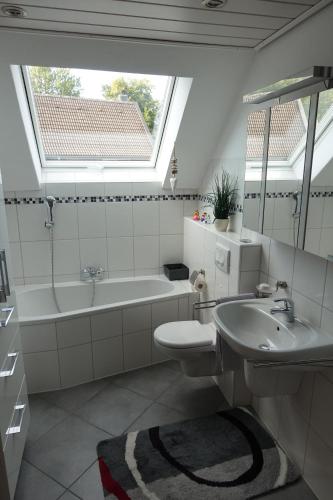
(185, 334)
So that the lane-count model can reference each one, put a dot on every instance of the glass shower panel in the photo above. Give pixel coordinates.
(319, 225)
(285, 170)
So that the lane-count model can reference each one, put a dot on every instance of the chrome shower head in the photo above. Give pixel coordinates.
(50, 202)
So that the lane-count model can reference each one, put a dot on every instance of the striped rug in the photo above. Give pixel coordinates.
(228, 455)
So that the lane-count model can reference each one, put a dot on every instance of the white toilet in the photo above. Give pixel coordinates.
(191, 343)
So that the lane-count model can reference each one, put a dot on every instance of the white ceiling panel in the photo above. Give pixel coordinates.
(240, 23)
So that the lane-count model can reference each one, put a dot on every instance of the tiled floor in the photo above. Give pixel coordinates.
(60, 456)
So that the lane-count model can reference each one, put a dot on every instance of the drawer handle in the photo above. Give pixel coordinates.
(7, 311)
(12, 359)
(16, 428)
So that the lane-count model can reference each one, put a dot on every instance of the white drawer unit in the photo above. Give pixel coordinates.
(14, 408)
(16, 434)
(11, 376)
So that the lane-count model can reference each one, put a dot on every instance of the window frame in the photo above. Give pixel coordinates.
(97, 164)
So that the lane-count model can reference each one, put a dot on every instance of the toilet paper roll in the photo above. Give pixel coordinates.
(200, 283)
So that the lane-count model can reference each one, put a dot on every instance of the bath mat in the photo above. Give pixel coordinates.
(227, 455)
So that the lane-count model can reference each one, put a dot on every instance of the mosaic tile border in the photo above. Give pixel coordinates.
(100, 199)
(313, 194)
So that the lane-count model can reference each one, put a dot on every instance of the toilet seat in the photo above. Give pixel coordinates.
(186, 335)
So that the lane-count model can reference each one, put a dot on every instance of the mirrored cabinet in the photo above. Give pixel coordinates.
(288, 193)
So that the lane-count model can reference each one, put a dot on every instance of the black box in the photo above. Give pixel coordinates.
(176, 272)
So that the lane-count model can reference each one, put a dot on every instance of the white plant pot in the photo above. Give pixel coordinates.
(221, 225)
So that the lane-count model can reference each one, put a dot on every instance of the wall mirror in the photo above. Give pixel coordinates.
(288, 192)
(319, 221)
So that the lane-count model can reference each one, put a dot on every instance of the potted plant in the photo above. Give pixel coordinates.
(222, 199)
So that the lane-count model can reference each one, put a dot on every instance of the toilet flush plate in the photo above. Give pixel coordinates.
(222, 258)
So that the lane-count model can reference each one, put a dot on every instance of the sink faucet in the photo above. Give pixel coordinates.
(288, 308)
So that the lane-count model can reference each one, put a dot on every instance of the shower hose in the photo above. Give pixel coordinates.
(52, 272)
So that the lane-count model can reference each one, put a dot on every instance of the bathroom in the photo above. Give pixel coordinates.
(97, 344)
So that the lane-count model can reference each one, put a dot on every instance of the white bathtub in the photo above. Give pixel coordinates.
(83, 343)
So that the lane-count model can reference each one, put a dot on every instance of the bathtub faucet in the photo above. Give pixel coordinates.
(92, 273)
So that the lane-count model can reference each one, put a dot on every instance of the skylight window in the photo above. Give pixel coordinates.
(88, 118)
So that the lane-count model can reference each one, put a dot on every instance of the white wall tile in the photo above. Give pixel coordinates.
(75, 365)
(120, 254)
(309, 275)
(66, 257)
(92, 222)
(42, 371)
(269, 411)
(108, 357)
(326, 242)
(281, 261)
(315, 213)
(322, 409)
(306, 308)
(250, 258)
(93, 252)
(312, 241)
(31, 220)
(171, 217)
(327, 213)
(190, 206)
(147, 272)
(39, 337)
(164, 312)
(16, 258)
(327, 320)
(106, 325)
(66, 221)
(119, 219)
(60, 189)
(73, 332)
(36, 258)
(293, 431)
(318, 467)
(90, 188)
(145, 188)
(12, 223)
(328, 294)
(117, 188)
(171, 249)
(137, 350)
(248, 281)
(146, 218)
(136, 318)
(146, 252)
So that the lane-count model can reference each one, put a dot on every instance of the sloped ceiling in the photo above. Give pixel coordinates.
(238, 23)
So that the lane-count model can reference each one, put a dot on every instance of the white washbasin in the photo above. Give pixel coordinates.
(256, 334)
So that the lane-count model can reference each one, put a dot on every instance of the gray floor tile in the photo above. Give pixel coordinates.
(194, 397)
(70, 496)
(67, 450)
(70, 399)
(89, 486)
(34, 485)
(156, 414)
(172, 365)
(44, 416)
(114, 409)
(148, 382)
(297, 491)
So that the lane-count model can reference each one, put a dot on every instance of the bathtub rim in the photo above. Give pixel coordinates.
(180, 288)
